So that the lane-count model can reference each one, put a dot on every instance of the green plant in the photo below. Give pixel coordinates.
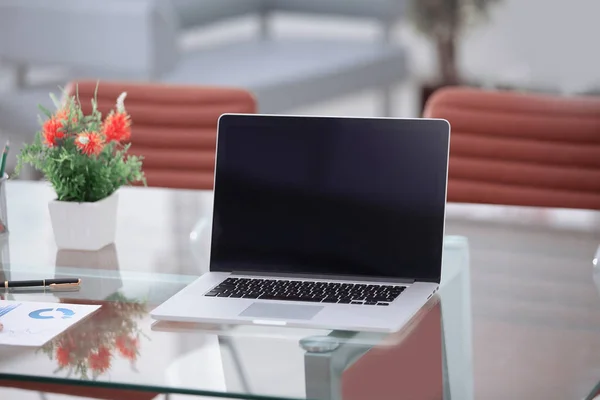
(83, 156)
(444, 21)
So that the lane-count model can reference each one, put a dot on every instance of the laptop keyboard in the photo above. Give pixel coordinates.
(317, 292)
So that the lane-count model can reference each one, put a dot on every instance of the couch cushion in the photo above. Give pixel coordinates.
(285, 73)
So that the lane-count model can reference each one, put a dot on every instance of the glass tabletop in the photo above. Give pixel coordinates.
(517, 315)
(121, 347)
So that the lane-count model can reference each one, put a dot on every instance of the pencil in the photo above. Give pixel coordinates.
(4, 157)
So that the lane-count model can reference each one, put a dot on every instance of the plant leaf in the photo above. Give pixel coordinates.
(45, 111)
(56, 101)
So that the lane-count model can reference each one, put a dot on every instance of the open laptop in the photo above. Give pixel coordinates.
(322, 222)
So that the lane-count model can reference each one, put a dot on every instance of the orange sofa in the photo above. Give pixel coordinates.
(174, 127)
(521, 149)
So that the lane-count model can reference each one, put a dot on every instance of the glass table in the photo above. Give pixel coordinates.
(121, 347)
(517, 315)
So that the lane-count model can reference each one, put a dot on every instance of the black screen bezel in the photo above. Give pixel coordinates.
(439, 129)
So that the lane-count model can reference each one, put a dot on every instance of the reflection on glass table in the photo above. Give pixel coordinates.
(120, 347)
(430, 358)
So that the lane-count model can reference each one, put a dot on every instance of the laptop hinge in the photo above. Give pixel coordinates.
(323, 276)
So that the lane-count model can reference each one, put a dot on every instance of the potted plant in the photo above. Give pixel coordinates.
(85, 159)
(443, 22)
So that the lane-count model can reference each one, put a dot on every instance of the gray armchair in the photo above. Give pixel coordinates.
(139, 40)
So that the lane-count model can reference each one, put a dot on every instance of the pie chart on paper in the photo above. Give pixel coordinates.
(52, 313)
(34, 324)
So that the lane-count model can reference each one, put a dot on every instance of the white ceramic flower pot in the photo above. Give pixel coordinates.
(84, 226)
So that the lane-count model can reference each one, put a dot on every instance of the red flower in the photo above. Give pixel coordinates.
(127, 347)
(51, 130)
(89, 143)
(117, 127)
(63, 356)
(63, 115)
(100, 360)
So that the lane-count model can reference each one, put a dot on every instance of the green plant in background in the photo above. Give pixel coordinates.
(443, 21)
(83, 156)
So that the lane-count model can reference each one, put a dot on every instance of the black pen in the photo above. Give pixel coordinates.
(52, 283)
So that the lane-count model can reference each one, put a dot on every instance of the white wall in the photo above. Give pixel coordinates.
(545, 42)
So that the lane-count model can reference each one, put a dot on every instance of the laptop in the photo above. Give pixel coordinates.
(322, 222)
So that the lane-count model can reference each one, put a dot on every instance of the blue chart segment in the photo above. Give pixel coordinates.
(50, 313)
(6, 309)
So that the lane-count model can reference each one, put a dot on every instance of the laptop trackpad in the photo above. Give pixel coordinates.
(280, 311)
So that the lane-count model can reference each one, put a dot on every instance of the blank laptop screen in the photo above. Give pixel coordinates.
(330, 196)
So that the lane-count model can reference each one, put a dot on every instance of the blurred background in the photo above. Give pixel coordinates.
(322, 57)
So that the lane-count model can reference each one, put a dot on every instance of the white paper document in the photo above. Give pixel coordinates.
(34, 324)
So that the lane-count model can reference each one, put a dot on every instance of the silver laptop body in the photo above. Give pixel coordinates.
(322, 222)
